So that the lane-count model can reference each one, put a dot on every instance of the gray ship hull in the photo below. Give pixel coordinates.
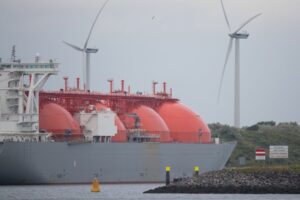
(60, 162)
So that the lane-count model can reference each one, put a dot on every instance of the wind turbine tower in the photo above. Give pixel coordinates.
(87, 51)
(236, 36)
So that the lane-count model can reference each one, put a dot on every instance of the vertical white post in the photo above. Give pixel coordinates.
(237, 85)
(21, 98)
(87, 73)
(29, 103)
(37, 99)
(84, 69)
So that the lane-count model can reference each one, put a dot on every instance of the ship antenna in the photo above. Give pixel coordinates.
(13, 53)
(37, 57)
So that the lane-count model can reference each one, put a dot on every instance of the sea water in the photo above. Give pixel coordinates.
(118, 191)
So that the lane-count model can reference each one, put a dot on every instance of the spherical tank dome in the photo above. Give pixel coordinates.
(121, 136)
(185, 125)
(57, 120)
(153, 123)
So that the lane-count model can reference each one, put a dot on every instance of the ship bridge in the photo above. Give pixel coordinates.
(20, 84)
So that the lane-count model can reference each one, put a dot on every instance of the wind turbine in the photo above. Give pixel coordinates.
(235, 35)
(87, 51)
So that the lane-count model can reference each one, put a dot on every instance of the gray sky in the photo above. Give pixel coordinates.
(184, 44)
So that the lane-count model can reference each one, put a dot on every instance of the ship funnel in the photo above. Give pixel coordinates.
(164, 87)
(111, 81)
(128, 89)
(154, 87)
(66, 82)
(78, 83)
(122, 86)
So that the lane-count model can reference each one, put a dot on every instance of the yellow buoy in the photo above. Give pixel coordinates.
(95, 185)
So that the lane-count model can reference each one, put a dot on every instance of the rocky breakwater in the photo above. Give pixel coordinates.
(254, 180)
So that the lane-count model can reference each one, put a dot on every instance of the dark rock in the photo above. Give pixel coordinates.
(236, 181)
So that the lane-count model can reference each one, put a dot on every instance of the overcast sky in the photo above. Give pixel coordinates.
(182, 42)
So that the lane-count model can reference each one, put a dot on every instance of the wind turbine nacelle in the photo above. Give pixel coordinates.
(239, 35)
(90, 50)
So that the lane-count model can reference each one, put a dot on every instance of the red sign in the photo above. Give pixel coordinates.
(260, 153)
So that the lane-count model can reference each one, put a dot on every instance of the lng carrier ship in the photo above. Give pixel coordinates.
(73, 135)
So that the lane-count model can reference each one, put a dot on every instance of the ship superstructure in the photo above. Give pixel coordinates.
(20, 84)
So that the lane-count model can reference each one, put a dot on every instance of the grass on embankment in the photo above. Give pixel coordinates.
(261, 134)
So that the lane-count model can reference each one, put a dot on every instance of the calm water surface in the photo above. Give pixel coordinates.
(117, 191)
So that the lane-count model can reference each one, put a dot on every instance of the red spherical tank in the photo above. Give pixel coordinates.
(59, 121)
(152, 123)
(121, 136)
(185, 125)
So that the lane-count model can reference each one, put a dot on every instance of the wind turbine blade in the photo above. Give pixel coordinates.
(99, 12)
(246, 22)
(224, 67)
(73, 46)
(225, 15)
